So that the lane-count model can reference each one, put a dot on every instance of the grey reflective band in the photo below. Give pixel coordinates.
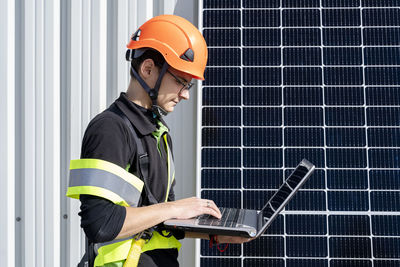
(106, 180)
(172, 167)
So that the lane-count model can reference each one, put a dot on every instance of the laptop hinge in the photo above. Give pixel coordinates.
(259, 220)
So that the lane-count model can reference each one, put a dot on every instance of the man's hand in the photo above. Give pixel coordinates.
(233, 239)
(191, 207)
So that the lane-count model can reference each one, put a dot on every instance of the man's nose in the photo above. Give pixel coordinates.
(185, 94)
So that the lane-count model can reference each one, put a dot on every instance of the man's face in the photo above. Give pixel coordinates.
(173, 89)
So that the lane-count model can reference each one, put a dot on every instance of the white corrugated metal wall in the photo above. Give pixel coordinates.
(63, 63)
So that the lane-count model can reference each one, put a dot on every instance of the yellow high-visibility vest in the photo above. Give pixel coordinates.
(110, 181)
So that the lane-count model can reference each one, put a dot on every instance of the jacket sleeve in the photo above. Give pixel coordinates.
(105, 139)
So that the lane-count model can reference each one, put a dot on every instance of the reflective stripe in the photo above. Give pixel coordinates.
(76, 191)
(119, 250)
(171, 168)
(104, 179)
(107, 166)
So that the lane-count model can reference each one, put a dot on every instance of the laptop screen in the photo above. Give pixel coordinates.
(278, 201)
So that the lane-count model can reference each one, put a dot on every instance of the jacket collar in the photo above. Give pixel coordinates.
(136, 115)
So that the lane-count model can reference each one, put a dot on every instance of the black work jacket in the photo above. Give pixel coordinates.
(107, 137)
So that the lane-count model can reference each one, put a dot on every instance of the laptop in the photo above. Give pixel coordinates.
(246, 222)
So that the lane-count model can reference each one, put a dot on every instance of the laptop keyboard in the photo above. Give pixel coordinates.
(230, 217)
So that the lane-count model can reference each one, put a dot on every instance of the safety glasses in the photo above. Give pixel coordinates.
(185, 85)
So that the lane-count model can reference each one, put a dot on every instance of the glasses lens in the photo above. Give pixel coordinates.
(188, 86)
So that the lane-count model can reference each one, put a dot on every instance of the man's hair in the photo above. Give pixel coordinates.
(149, 53)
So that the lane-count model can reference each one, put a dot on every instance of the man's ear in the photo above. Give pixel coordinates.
(147, 67)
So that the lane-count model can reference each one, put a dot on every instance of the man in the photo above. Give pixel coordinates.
(129, 143)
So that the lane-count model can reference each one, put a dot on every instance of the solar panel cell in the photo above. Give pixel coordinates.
(382, 96)
(266, 246)
(344, 116)
(384, 137)
(262, 96)
(351, 263)
(261, 37)
(384, 116)
(220, 178)
(221, 116)
(341, 36)
(302, 96)
(350, 247)
(218, 157)
(386, 263)
(263, 262)
(300, 3)
(381, 36)
(341, 17)
(306, 247)
(306, 262)
(221, 137)
(302, 75)
(342, 56)
(385, 247)
(346, 158)
(348, 201)
(340, 3)
(301, 37)
(217, 262)
(306, 224)
(222, 37)
(261, 56)
(304, 116)
(261, 18)
(343, 76)
(384, 158)
(380, 3)
(345, 137)
(262, 116)
(255, 137)
(301, 17)
(221, 3)
(385, 225)
(262, 157)
(346, 96)
(349, 225)
(385, 200)
(301, 56)
(304, 137)
(222, 76)
(347, 179)
(382, 56)
(261, 4)
(222, 18)
(384, 179)
(224, 57)
(381, 17)
(261, 76)
(221, 96)
(382, 76)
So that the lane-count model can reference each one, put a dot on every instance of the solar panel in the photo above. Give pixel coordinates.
(315, 79)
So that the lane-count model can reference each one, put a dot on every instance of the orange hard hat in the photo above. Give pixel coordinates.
(178, 40)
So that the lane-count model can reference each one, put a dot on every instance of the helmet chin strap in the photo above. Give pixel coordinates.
(153, 92)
